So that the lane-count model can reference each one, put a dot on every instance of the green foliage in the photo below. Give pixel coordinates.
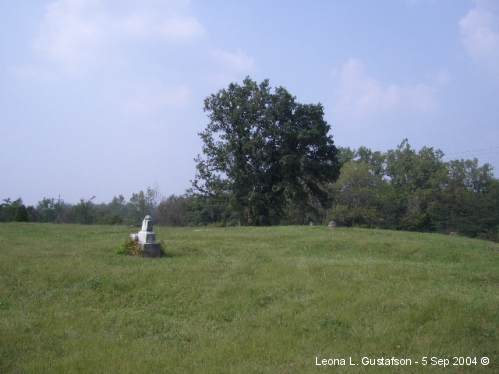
(173, 211)
(211, 210)
(416, 190)
(21, 214)
(84, 212)
(142, 204)
(51, 210)
(130, 248)
(242, 300)
(9, 209)
(403, 189)
(264, 151)
(356, 196)
(17, 211)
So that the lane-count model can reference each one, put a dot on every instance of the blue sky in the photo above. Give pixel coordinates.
(101, 97)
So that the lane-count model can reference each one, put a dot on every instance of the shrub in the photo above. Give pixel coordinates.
(130, 247)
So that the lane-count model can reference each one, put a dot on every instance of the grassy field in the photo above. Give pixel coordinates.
(243, 300)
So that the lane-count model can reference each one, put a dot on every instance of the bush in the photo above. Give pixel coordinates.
(130, 247)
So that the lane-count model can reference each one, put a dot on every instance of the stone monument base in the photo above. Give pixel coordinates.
(151, 249)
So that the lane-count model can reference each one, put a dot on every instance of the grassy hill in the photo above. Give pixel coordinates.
(243, 300)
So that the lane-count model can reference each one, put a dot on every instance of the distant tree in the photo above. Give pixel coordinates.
(376, 161)
(32, 214)
(21, 214)
(47, 210)
(417, 177)
(357, 196)
(210, 209)
(5, 210)
(264, 150)
(116, 210)
(141, 204)
(112, 213)
(410, 170)
(84, 212)
(345, 155)
(468, 202)
(172, 211)
(9, 210)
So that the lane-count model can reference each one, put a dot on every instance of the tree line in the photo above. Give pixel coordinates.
(268, 159)
(86, 211)
(408, 189)
(401, 189)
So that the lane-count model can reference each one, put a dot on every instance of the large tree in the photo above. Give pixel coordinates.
(264, 151)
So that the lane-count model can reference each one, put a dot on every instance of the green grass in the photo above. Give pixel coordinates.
(242, 300)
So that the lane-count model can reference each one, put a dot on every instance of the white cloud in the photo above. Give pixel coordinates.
(479, 30)
(70, 34)
(359, 95)
(149, 26)
(104, 41)
(151, 100)
(237, 61)
(76, 34)
(180, 29)
(232, 65)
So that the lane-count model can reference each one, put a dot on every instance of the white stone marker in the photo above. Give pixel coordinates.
(147, 239)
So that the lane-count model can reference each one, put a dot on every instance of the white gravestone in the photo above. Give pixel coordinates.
(147, 239)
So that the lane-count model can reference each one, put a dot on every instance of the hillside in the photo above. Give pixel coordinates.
(242, 300)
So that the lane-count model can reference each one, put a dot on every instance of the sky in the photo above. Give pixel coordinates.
(105, 97)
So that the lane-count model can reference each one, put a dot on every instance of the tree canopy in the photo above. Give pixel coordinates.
(264, 152)
(416, 190)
